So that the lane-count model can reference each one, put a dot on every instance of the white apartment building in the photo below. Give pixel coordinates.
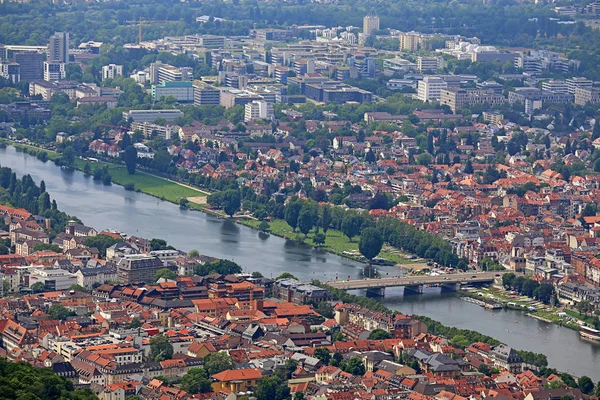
(54, 71)
(258, 110)
(430, 63)
(430, 88)
(111, 71)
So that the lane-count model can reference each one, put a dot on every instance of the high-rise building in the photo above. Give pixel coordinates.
(160, 73)
(58, 49)
(110, 71)
(370, 24)
(32, 65)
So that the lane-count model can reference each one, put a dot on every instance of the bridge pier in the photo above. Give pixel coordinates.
(376, 292)
(450, 287)
(414, 288)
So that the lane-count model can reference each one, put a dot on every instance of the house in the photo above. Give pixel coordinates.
(327, 373)
(236, 380)
(507, 358)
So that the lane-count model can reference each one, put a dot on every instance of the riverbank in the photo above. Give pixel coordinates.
(169, 190)
(524, 304)
(161, 188)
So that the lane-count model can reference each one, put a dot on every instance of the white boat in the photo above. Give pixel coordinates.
(589, 333)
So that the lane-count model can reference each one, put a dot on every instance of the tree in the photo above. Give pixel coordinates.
(78, 288)
(354, 366)
(233, 202)
(336, 359)
(101, 242)
(326, 218)
(291, 214)
(351, 225)
(286, 275)
(193, 253)
(59, 312)
(68, 156)
(323, 354)
(290, 367)
(325, 309)
(125, 141)
(271, 388)
(379, 334)
(484, 369)
(218, 362)
(468, 167)
(306, 219)
(130, 158)
(160, 348)
(38, 287)
(508, 280)
(165, 273)
(370, 243)
(319, 239)
(585, 385)
(87, 169)
(47, 247)
(264, 226)
(196, 381)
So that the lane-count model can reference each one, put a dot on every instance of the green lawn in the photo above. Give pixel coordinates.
(335, 242)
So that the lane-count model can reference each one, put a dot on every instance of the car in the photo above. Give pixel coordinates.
(497, 275)
(474, 276)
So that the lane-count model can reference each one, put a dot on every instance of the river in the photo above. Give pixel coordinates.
(112, 207)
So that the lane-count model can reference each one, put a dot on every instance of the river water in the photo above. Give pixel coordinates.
(112, 207)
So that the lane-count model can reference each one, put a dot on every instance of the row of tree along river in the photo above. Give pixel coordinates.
(105, 207)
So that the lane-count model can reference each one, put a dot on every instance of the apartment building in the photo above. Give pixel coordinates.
(137, 268)
(111, 71)
(430, 63)
(584, 96)
(183, 92)
(160, 73)
(54, 71)
(410, 41)
(31, 65)
(370, 24)
(258, 110)
(457, 98)
(152, 115)
(205, 94)
(578, 82)
(58, 48)
(430, 88)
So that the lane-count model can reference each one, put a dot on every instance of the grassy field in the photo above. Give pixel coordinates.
(335, 241)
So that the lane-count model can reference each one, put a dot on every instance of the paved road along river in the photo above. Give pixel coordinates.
(139, 214)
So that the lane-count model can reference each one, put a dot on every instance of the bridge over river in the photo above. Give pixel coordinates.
(376, 286)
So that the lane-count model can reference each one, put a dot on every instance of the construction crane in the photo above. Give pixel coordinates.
(153, 21)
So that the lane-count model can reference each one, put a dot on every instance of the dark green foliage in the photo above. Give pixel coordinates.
(22, 381)
(271, 388)
(130, 158)
(353, 366)
(160, 348)
(196, 381)
(379, 334)
(370, 243)
(101, 242)
(217, 362)
(222, 267)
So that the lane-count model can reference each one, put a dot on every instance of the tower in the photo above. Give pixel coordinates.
(58, 49)
(370, 24)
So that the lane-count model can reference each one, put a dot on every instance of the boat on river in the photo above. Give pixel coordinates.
(589, 333)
